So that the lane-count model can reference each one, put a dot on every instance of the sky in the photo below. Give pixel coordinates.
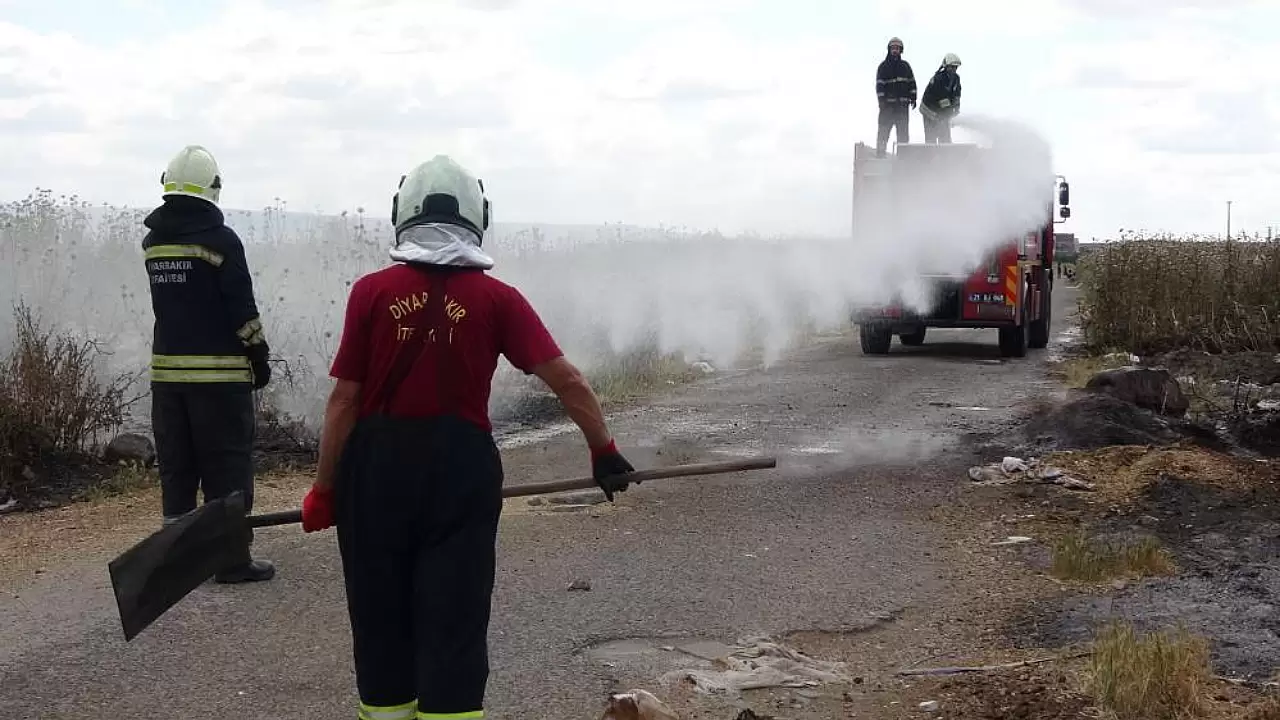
(730, 115)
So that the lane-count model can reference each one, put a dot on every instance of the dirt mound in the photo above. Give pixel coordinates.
(1093, 420)
(1149, 388)
(1012, 695)
(1124, 474)
(1257, 431)
(1262, 368)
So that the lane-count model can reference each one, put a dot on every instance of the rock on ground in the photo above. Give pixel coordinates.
(1154, 389)
(131, 447)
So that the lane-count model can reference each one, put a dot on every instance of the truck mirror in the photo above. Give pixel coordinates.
(1065, 212)
(1064, 194)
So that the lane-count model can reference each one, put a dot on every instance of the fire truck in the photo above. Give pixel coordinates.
(1009, 290)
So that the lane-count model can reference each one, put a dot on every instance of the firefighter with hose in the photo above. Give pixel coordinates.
(409, 473)
(941, 100)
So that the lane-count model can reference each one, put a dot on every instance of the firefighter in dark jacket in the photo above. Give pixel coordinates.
(409, 472)
(895, 92)
(941, 101)
(208, 350)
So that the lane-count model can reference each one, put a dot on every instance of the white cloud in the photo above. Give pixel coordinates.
(717, 113)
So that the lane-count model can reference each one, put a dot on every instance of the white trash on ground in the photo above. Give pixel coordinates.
(637, 705)
(760, 663)
(1012, 470)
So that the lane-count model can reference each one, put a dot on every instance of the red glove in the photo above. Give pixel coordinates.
(317, 510)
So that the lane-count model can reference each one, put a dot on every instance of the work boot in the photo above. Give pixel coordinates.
(252, 571)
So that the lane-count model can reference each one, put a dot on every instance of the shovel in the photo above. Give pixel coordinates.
(154, 575)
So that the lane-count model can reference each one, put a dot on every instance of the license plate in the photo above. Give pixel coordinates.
(986, 297)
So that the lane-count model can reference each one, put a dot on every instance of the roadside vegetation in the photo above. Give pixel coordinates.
(1149, 295)
(1161, 675)
(1079, 557)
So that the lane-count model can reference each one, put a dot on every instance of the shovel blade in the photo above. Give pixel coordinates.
(157, 573)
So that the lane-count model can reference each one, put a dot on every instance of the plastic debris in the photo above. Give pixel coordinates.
(1016, 470)
(760, 663)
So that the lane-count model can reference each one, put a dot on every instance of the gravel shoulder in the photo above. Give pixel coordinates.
(865, 545)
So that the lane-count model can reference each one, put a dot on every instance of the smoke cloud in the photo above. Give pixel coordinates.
(601, 290)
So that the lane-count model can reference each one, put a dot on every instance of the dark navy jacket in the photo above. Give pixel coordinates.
(207, 331)
(895, 82)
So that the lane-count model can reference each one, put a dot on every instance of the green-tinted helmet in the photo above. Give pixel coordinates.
(441, 190)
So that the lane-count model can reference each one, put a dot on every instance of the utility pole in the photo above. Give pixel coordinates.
(1228, 219)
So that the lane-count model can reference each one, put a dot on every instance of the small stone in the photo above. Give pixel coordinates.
(535, 501)
(586, 497)
(929, 706)
(580, 585)
(1261, 611)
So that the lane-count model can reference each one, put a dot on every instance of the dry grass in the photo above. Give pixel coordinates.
(638, 374)
(52, 400)
(1076, 372)
(1080, 558)
(1151, 676)
(1121, 473)
(1268, 710)
(129, 478)
(1152, 295)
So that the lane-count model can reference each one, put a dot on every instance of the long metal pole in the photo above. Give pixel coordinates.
(1228, 219)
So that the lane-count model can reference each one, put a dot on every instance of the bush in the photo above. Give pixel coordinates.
(1149, 296)
(51, 402)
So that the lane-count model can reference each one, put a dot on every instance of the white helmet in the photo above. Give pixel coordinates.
(193, 172)
(951, 60)
(441, 190)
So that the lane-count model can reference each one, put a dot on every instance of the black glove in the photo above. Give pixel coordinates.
(258, 355)
(610, 469)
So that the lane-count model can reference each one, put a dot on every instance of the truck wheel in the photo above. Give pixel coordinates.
(875, 339)
(1039, 331)
(1013, 341)
(913, 338)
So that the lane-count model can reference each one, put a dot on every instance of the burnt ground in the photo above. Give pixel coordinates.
(1226, 545)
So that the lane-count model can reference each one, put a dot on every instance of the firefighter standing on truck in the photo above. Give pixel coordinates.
(895, 91)
(208, 349)
(412, 477)
(941, 100)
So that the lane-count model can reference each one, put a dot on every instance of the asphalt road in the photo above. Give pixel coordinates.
(837, 534)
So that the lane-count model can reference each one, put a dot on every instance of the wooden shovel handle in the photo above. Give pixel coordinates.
(289, 517)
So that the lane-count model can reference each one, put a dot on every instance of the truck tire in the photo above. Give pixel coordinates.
(1039, 332)
(913, 338)
(1013, 341)
(875, 339)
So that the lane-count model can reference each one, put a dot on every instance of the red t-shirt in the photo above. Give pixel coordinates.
(486, 318)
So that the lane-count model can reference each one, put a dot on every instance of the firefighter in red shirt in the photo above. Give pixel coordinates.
(409, 472)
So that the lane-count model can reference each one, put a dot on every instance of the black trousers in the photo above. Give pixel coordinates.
(416, 509)
(894, 115)
(937, 131)
(204, 442)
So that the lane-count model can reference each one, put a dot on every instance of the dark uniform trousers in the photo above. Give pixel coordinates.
(937, 130)
(893, 115)
(416, 507)
(204, 442)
